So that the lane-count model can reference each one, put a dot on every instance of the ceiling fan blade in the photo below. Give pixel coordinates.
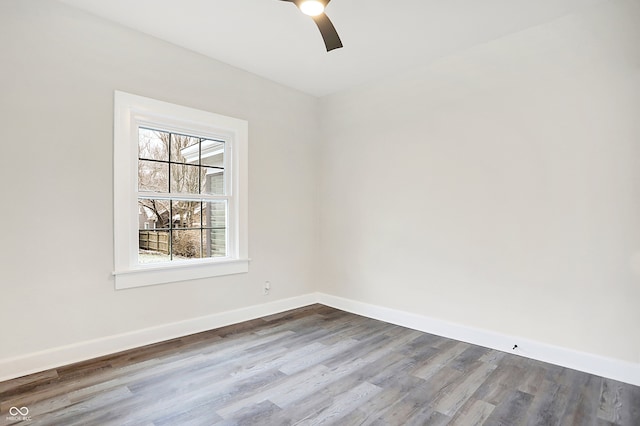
(328, 31)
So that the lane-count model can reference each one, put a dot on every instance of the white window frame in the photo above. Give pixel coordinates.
(132, 112)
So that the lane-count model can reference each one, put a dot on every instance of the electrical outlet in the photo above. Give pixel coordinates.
(267, 287)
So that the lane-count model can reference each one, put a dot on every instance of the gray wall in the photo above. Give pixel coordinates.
(499, 188)
(59, 70)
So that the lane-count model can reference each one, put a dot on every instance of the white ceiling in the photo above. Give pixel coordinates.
(275, 40)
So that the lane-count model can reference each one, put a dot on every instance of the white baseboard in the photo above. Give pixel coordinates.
(622, 371)
(10, 368)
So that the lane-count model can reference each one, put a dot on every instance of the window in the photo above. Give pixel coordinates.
(180, 179)
(182, 197)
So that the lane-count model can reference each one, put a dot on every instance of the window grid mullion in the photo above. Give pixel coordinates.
(200, 165)
(151, 160)
(171, 229)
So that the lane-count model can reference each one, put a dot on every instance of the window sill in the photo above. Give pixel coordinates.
(147, 275)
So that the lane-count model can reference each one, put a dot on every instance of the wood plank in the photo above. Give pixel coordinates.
(439, 359)
(342, 405)
(619, 403)
(512, 410)
(450, 403)
(582, 401)
(474, 412)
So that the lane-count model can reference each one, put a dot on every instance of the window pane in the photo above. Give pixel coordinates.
(212, 181)
(185, 149)
(153, 246)
(212, 153)
(186, 244)
(153, 176)
(185, 179)
(153, 214)
(215, 237)
(153, 144)
(215, 242)
(214, 214)
(186, 214)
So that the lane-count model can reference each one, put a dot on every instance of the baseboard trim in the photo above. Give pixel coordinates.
(36, 362)
(589, 363)
(623, 371)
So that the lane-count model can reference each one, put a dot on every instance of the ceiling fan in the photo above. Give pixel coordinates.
(315, 9)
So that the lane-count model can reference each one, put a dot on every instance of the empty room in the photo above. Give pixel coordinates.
(345, 212)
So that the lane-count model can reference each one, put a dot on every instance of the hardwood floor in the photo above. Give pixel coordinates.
(317, 365)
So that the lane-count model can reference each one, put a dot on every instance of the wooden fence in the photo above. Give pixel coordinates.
(154, 240)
